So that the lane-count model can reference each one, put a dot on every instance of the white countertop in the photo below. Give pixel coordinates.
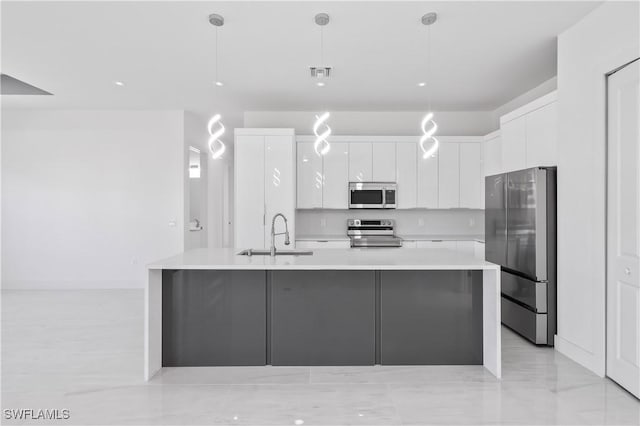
(322, 259)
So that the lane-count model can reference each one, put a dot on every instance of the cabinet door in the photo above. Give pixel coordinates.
(310, 178)
(542, 127)
(471, 175)
(335, 191)
(407, 175)
(249, 192)
(280, 186)
(427, 181)
(448, 176)
(360, 162)
(384, 162)
(514, 144)
(493, 156)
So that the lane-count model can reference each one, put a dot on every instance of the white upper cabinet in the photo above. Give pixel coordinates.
(448, 176)
(528, 136)
(471, 176)
(280, 181)
(336, 177)
(384, 162)
(310, 177)
(542, 127)
(492, 156)
(428, 181)
(265, 183)
(514, 144)
(407, 175)
(449, 179)
(249, 191)
(360, 162)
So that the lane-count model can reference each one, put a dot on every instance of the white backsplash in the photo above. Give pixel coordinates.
(408, 222)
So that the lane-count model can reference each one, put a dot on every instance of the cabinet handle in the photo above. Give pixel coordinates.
(627, 271)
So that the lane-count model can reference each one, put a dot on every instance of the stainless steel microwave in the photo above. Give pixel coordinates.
(372, 195)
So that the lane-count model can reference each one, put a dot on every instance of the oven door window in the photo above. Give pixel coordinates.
(366, 196)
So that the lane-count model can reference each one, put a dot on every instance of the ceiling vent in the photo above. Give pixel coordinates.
(320, 72)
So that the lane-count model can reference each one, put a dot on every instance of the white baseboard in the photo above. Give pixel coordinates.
(583, 357)
(70, 285)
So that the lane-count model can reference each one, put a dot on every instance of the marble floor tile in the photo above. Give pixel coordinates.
(83, 350)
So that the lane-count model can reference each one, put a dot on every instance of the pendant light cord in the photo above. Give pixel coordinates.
(217, 80)
(429, 91)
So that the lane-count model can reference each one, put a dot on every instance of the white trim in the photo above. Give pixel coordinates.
(492, 135)
(246, 131)
(542, 101)
(579, 355)
(382, 139)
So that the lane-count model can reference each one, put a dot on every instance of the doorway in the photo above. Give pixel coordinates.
(623, 227)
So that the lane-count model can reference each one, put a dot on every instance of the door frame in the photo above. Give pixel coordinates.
(606, 212)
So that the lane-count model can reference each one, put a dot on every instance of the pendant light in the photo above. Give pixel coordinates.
(215, 127)
(428, 142)
(321, 74)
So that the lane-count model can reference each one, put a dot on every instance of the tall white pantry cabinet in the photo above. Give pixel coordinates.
(264, 185)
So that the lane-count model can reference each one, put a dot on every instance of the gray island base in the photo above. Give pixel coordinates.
(428, 307)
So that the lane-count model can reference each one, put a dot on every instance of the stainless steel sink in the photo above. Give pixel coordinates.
(254, 252)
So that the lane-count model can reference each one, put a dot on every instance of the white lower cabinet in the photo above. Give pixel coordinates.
(320, 244)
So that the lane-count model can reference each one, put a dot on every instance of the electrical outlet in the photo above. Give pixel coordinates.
(421, 222)
(472, 222)
(323, 222)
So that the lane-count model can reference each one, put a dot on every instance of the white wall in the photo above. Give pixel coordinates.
(382, 123)
(87, 196)
(604, 40)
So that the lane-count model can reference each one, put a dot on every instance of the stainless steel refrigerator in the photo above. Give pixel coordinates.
(520, 231)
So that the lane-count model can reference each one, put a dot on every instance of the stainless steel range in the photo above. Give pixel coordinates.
(373, 233)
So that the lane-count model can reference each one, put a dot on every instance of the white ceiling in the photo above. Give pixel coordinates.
(484, 53)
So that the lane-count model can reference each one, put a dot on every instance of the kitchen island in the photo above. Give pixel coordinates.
(211, 307)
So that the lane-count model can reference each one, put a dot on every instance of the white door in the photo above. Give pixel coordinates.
(279, 186)
(406, 175)
(384, 162)
(249, 192)
(310, 177)
(471, 181)
(448, 176)
(623, 229)
(335, 191)
(360, 162)
(514, 144)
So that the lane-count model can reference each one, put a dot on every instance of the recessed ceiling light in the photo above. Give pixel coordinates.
(219, 83)
(118, 83)
(320, 83)
(422, 84)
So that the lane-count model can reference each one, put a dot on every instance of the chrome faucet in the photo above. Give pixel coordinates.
(273, 233)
